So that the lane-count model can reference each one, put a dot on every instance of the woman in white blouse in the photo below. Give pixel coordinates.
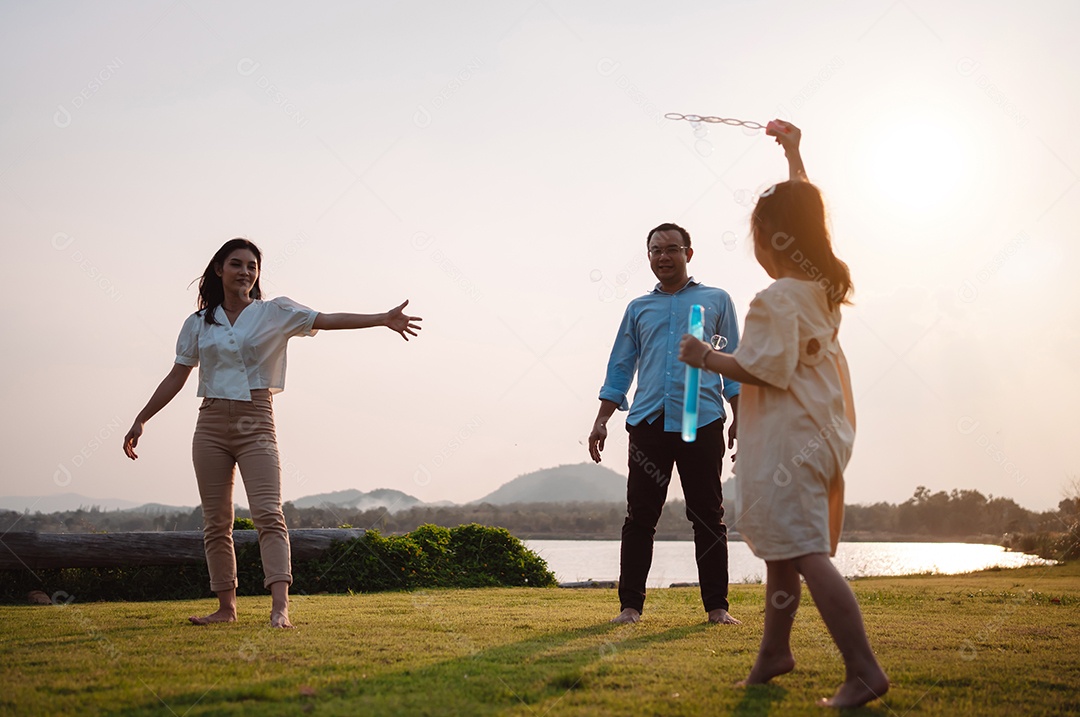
(238, 341)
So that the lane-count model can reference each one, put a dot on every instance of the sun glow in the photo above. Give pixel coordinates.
(915, 166)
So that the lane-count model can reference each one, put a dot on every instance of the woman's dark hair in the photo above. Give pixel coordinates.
(211, 290)
(789, 222)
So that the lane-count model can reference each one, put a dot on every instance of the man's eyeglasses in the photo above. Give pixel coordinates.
(665, 251)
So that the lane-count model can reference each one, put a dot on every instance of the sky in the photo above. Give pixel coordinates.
(499, 164)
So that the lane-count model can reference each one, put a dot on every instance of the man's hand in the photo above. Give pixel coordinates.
(733, 429)
(596, 440)
(599, 428)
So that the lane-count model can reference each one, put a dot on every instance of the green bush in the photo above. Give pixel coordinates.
(1048, 545)
(243, 524)
(1068, 545)
(431, 556)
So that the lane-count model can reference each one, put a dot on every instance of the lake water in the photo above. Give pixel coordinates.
(673, 561)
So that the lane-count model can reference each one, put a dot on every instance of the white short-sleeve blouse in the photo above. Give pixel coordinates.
(234, 360)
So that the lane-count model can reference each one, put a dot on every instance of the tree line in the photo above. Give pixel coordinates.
(954, 515)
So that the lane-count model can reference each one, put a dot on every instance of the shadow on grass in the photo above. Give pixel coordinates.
(484, 682)
(759, 700)
(762, 700)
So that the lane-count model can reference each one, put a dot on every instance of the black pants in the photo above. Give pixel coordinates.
(653, 452)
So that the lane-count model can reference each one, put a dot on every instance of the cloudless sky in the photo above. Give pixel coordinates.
(499, 164)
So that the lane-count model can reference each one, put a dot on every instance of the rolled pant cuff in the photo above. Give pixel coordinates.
(277, 578)
(224, 587)
(718, 606)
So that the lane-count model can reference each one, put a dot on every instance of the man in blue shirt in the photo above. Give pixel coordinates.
(648, 344)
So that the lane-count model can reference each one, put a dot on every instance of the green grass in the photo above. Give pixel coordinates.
(995, 643)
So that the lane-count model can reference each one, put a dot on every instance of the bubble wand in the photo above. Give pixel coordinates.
(693, 379)
(697, 119)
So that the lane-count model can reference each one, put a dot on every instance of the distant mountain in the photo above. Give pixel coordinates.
(391, 500)
(61, 502)
(581, 482)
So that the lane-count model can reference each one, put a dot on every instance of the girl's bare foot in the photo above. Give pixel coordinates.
(858, 691)
(222, 615)
(767, 667)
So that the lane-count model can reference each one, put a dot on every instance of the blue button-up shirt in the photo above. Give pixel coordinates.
(648, 344)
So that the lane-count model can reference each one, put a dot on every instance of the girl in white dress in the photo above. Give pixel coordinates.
(796, 427)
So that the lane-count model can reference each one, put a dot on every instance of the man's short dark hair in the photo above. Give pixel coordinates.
(666, 227)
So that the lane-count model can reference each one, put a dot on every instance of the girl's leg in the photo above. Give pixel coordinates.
(782, 591)
(864, 680)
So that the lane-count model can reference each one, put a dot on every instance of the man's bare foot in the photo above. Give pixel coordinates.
(858, 691)
(720, 616)
(627, 616)
(280, 618)
(767, 667)
(222, 615)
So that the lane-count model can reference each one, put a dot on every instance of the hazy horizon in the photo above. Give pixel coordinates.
(499, 165)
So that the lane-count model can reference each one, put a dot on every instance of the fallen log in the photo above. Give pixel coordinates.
(117, 550)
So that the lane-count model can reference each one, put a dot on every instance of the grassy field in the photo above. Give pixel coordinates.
(994, 643)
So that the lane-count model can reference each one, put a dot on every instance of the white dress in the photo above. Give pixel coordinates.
(796, 434)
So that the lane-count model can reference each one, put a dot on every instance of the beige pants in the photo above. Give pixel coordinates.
(229, 433)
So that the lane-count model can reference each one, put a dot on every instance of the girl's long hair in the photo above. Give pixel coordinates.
(211, 290)
(789, 223)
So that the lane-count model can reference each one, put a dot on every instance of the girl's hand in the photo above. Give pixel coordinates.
(131, 440)
(693, 351)
(787, 135)
(398, 321)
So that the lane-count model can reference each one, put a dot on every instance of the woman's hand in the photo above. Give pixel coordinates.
(397, 320)
(693, 351)
(131, 440)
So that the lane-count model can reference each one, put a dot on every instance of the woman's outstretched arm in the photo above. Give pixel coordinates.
(395, 319)
(166, 391)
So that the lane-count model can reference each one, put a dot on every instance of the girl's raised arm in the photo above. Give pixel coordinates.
(788, 136)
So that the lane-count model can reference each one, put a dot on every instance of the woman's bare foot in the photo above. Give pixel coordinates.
(222, 615)
(627, 616)
(720, 616)
(767, 667)
(280, 618)
(858, 691)
(279, 606)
